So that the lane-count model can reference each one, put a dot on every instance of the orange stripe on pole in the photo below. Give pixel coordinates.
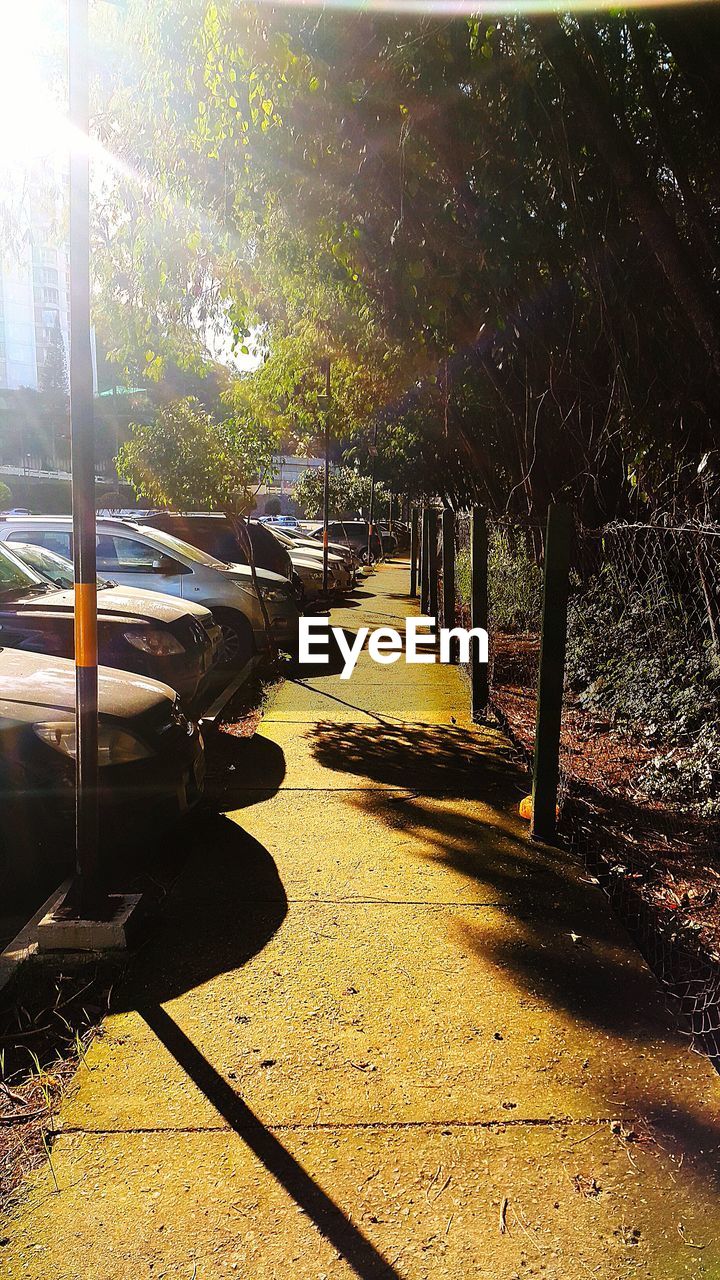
(86, 650)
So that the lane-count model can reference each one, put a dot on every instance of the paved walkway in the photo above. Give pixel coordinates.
(379, 1034)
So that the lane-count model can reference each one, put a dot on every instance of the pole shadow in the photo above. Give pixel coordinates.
(365, 1260)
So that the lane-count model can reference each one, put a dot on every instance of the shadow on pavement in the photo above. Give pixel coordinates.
(434, 759)
(224, 907)
(561, 944)
(335, 1226)
(242, 771)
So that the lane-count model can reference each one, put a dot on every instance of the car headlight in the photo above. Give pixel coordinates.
(161, 644)
(115, 746)
(274, 593)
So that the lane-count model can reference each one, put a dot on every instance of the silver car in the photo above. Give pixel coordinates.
(156, 561)
(306, 556)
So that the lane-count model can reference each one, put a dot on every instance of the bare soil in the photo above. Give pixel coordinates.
(666, 857)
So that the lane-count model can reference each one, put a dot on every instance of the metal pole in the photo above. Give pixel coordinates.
(432, 563)
(448, 560)
(326, 489)
(87, 896)
(371, 513)
(546, 763)
(413, 552)
(479, 673)
(424, 580)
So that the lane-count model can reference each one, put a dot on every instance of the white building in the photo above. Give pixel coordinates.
(286, 471)
(34, 298)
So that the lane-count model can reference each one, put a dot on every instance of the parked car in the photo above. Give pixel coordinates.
(301, 541)
(306, 556)
(136, 556)
(151, 759)
(353, 534)
(289, 522)
(217, 534)
(389, 540)
(140, 631)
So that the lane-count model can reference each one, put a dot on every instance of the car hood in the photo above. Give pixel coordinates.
(34, 686)
(310, 544)
(308, 558)
(114, 604)
(264, 576)
(149, 603)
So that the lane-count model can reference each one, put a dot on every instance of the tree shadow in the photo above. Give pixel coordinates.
(561, 944)
(434, 759)
(242, 771)
(224, 906)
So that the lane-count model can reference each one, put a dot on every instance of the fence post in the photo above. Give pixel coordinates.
(448, 559)
(424, 578)
(432, 563)
(553, 638)
(413, 551)
(479, 671)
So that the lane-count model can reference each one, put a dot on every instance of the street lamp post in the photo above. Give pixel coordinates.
(325, 400)
(371, 512)
(88, 898)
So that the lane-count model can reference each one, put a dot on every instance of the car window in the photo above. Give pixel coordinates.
(124, 555)
(55, 568)
(176, 547)
(17, 578)
(57, 540)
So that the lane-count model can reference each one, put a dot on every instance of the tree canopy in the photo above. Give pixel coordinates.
(503, 232)
(185, 459)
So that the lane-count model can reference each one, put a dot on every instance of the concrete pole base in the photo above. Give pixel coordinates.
(57, 931)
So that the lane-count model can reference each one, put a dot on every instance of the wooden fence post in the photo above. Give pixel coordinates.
(432, 562)
(448, 560)
(424, 546)
(413, 552)
(551, 679)
(479, 671)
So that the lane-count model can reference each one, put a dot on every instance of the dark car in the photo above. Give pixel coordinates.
(389, 540)
(151, 761)
(147, 634)
(353, 534)
(218, 535)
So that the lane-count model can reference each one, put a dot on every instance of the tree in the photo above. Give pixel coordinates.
(5, 495)
(349, 492)
(185, 460)
(53, 376)
(273, 507)
(504, 232)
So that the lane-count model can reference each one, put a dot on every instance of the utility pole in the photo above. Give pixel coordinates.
(88, 899)
(326, 490)
(371, 513)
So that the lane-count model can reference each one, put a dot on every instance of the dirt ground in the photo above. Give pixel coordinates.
(668, 860)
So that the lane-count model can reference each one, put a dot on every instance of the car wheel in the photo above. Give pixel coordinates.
(237, 644)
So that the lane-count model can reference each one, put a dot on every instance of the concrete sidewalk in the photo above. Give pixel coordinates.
(379, 1033)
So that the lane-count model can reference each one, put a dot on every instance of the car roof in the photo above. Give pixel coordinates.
(63, 522)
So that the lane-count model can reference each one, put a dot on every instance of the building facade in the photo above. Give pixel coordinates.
(34, 312)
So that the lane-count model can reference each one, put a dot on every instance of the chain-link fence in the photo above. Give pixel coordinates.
(640, 741)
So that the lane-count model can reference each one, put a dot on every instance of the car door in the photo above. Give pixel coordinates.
(132, 562)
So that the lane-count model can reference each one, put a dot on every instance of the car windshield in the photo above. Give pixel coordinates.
(58, 571)
(16, 579)
(175, 546)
